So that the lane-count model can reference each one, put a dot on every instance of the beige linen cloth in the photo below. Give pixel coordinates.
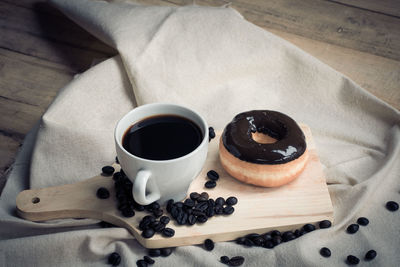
(214, 61)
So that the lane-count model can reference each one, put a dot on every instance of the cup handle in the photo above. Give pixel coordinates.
(142, 181)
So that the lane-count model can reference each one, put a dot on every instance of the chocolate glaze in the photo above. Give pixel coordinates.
(237, 137)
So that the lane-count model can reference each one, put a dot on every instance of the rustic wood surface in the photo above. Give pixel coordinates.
(41, 50)
(306, 200)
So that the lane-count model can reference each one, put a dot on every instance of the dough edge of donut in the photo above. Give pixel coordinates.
(266, 175)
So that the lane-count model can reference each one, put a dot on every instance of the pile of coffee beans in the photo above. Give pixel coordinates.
(234, 261)
(273, 238)
(213, 177)
(198, 208)
(150, 225)
(211, 133)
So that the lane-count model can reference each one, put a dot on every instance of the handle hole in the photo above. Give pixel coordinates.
(35, 200)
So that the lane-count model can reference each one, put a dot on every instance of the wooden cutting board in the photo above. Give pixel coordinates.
(305, 200)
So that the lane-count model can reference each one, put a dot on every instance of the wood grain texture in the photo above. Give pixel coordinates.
(358, 38)
(259, 209)
(387, 7)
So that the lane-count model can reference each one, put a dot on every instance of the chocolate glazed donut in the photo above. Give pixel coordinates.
(237, 137)
(264, 148)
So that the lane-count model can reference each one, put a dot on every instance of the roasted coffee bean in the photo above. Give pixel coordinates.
(158, 212)
(213, 175)
(276, 239)
(288, 236)
(229, 210)
(108, 170)
(236, 261)
(201, 199)
(267, 236)
(154, 252)
(224, 259)
(240, 240)
(182, 218)
(325, 252)
(268, 244)
(211, 133)
(258, 241)
(165, 219)
(143, 225)
(297, 233)
(252, 235)
(275, 232)
(149, 218)
(370, 255)
(325, 224)
(104, 224)
(352, 260)
(202, 206)
(189, 203)
(201, 219)
(204, 195)
(208, 244)
(210, 211)
(168, 232)
(308, 227)
(165, 252)
(392, 206)
(138, 207)
(363, 221)
(194, 195)
(148, 233)
(211, 202)
(128, 212)
(210, 184)
(158, 227)
(218, 209)
(122, 172)
(102, 193)
(231, 201)
(117, 176)
(114, 259)
(191, 220)
(178, 204)
(220, 201)
(196, 212)
(148, 260)
(248, 242)
(169, 205)
(123, 205)
(141, 263)
(352, 228)
(175, 212)
(154, 206)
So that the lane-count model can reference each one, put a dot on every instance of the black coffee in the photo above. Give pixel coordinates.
(162, 137)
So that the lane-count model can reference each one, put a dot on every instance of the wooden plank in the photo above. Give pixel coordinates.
(325, 21)
(388, 7)
(51, 37)
(305, 200)
(29, 80)
(379, 75)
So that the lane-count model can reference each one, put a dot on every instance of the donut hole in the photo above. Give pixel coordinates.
(263, 138)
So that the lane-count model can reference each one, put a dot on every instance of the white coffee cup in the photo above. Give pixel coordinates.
(160, 180)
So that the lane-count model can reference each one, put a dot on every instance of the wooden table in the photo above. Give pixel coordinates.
(41, 50)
